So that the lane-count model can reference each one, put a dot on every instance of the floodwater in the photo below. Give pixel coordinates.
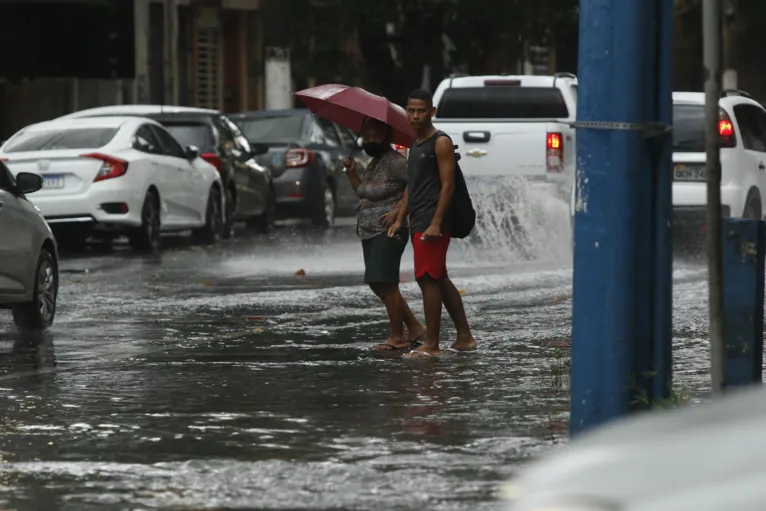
(219, 379)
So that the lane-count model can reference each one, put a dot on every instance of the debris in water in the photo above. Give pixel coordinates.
(461, 291)
(301, 273)
(207, 283)
(254, 318)
(257, 330)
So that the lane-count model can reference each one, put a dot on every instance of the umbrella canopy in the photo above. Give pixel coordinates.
(350, 106)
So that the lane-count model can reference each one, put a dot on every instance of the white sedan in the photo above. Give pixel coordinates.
(108, 176)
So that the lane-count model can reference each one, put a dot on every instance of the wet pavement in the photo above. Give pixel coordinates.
(219, 379)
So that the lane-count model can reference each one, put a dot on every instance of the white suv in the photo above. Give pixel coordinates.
(743, 159)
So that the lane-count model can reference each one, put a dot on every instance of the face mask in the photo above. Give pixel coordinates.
(374, 149)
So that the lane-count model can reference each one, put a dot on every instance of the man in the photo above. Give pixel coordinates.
(431, 185)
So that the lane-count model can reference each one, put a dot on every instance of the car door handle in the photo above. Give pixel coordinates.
(1, 206)
(762, 166)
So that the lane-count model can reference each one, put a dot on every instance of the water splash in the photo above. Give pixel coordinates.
(517, 221)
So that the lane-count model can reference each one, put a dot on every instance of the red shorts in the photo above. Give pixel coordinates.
(430, 256)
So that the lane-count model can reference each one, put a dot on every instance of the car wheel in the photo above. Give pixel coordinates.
(212, 232)
(38, 314)
(231, 207)
(147, 237)
(264, 223)
(753, 207)
(325, 217)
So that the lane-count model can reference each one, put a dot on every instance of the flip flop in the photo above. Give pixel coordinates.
(388, 347)
(416, 354)
(453, 350)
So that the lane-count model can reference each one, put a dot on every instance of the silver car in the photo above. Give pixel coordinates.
(29, 275)
(706, 457)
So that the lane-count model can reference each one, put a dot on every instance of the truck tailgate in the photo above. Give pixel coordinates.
(501, 148)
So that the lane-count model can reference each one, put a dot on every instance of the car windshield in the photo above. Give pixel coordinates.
(283, 128)
(688, 128)
(199, 135)
(502, 102)
(60, 138)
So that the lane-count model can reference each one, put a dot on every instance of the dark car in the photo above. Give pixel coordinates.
(249, 187)
(304, 155)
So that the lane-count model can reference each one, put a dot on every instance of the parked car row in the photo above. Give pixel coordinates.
(260, 166)
(144, 170)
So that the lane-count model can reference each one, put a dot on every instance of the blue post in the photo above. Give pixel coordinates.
(662, 321)
(743, 282)
(621, 302)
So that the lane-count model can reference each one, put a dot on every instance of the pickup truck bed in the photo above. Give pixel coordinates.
(511, 125)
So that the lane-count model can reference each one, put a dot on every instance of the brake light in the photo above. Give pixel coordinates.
(554, 160)
(214, 160)
(111, 167)
(726, 130)
(295, 158)
(501, 82)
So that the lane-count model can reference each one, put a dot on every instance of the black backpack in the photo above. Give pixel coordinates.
(462, 211)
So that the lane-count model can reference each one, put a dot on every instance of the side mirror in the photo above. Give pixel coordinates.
(27, 182)
(192, 152)
(258, 149)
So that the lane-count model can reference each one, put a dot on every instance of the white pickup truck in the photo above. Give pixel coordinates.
(512, 126)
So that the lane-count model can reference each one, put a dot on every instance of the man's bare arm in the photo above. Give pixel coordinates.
(445, 159)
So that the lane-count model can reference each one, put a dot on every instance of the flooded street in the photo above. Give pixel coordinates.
(219, 379)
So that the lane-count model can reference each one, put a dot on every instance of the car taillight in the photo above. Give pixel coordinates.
(726, 130)
(295, 158)
(401, 149)
(554, 160)
(111, 167)
(214, 160)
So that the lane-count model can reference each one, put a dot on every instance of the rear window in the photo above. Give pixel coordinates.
(272, 129)
(199, 135)
(55, 139)
(502, 102)
(688, 128)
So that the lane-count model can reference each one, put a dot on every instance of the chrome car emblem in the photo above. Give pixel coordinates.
(44, 164)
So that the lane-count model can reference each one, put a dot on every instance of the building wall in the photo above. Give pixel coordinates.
(236, 77)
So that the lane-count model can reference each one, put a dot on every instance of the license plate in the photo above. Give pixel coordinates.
(683, 172)
(53, 182)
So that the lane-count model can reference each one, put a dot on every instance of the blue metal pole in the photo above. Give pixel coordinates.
(614, 294)
(662, 324)
(743, 283)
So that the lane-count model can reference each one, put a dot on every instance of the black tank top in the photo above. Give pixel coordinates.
(424, 185)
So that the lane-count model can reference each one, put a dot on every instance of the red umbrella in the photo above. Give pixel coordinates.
(350, 106)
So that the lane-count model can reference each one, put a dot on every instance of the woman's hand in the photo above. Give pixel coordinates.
(393, 231)
(389, 218)
(349, 164)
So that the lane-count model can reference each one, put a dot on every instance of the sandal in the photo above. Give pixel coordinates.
(386, 346)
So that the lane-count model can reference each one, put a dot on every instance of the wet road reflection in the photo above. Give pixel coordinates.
(220, 379)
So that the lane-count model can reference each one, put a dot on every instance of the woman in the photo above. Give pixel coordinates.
(380, 189)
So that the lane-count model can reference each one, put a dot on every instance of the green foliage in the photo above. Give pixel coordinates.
(347, 41)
